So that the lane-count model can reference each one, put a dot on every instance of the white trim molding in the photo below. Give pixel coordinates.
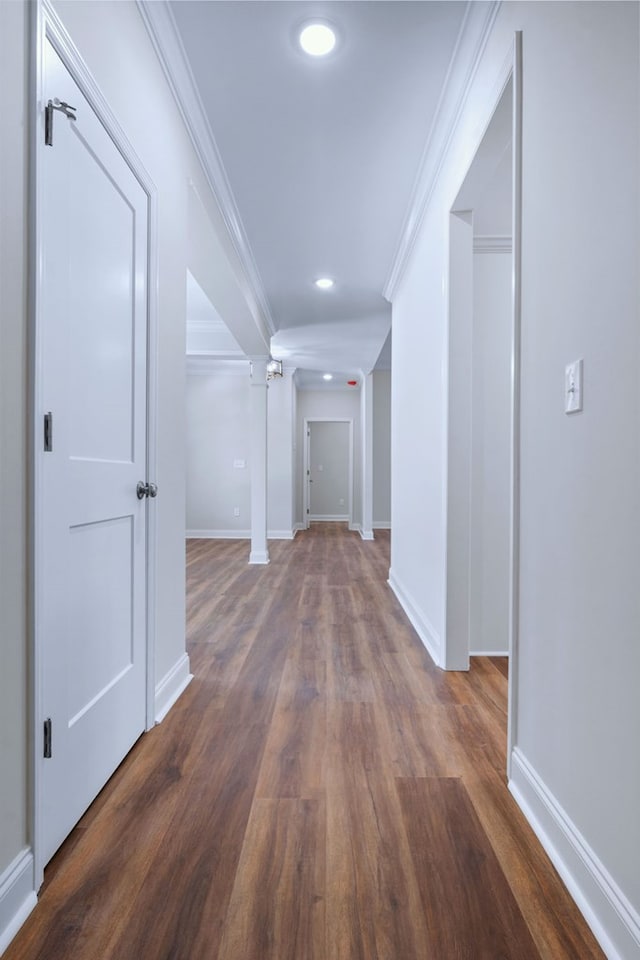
(612, 918)
(174, 682)
(211, 365)
(282, 534)
(492, 244)
(260, 557)
(366, 534)
(420, 623)
(218, 534)
(242, 534)
(488, 653)
(165, 37)
(381, 525)
(17, 896)
(328, 518)
(472, 39)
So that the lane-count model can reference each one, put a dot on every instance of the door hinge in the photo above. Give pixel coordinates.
(52, 105)
(48, 432)
(47, 738)
(307, 509)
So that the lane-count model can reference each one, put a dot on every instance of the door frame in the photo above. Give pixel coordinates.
(453, 655)
(47, 26)
(307, 459)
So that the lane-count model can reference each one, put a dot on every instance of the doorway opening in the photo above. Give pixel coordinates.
(482, 482)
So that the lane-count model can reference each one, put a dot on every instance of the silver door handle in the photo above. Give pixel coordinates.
(146, 490)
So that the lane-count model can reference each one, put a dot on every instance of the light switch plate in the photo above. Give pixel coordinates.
(573, 387)
(239, 464)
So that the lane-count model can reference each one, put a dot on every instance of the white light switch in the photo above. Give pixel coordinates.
(573, 387)
(239, 464)
(236, 511)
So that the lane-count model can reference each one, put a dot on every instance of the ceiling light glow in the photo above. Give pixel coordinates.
(324, 283)
(317, 39)
(327, 376)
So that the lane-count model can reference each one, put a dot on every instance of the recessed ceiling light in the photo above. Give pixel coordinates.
(327, 376)
(324, 283)
(317, 39)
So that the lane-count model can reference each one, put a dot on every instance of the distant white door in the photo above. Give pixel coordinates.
(329, 470)
(90, 525)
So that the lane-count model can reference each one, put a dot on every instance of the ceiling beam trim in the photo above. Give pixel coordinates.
(161, 27)
(472, 39)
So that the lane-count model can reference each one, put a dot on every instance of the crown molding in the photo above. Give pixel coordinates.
(476, 28)
(207, 326)
(208, 364)
(163, 32)
(492, 243)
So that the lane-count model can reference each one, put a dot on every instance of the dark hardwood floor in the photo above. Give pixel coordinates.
(320, 792)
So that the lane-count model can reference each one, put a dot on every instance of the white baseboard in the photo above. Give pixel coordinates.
(355, 527)
(17, 896)
(218, 534)
(488, 653)
(241, 534)
(171, 686)
(612, 918)
(381, 525)
(300, 526)
(337, 518)
(419, 621)
(366, 534)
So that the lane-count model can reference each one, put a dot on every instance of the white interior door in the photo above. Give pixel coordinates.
(91, 527)
(329, 470)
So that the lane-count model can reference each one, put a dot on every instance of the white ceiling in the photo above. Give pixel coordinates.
(321, 155)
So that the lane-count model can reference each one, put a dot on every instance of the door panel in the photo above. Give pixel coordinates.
(102, 312)
(91, 585)
(329, 469)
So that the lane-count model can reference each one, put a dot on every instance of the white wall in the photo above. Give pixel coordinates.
(576, 769)
(490, 457)
(381, 448)
(218, 436)
(325, 405)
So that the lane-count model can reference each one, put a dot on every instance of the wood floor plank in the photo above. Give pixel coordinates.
(373, 901)
(320, 791)
(277, 907)
(294, 757)
(551, 914)
(471, 913)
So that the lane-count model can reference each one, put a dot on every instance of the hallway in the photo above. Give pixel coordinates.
(319, 792)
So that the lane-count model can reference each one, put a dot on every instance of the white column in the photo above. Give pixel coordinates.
(258, 409)
(280, 466)
(366, 420)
